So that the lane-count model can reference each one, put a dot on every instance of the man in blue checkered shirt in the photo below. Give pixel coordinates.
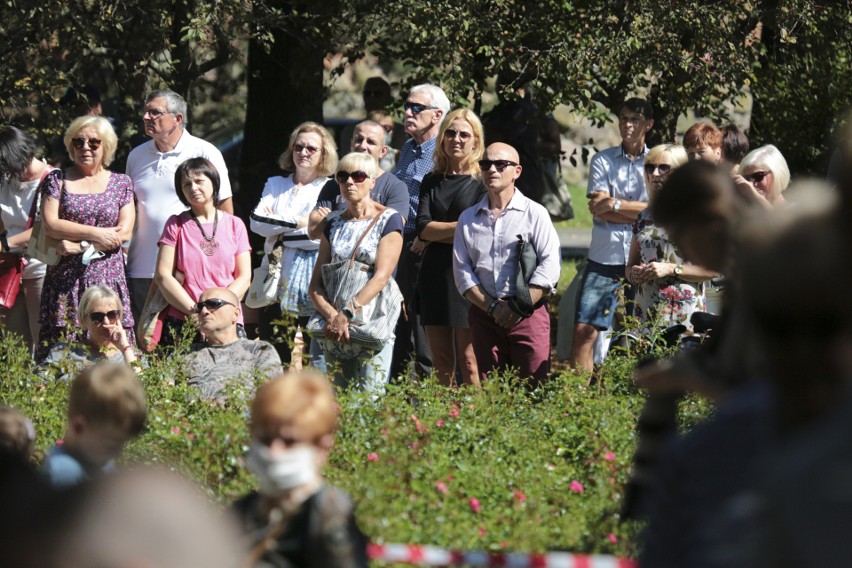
(425, 108)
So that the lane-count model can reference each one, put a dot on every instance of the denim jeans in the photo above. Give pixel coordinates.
(368, 372)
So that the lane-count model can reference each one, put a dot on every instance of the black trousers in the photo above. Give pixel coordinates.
(411, 342)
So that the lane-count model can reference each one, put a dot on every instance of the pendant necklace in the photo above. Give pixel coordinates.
(208, 245)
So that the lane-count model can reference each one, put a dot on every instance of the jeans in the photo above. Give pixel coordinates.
(368, 373)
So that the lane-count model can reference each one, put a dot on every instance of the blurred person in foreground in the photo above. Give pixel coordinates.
(295, 520)
(106, 409)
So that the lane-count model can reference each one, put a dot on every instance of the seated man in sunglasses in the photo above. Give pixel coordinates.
(224, 359)
(485, 268)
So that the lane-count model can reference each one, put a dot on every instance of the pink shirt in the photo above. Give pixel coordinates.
(201, 271)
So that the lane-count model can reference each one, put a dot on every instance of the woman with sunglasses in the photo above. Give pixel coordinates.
(100, 312)
(453, 186)
(668, 289)
(282, 217)
(200, 248)
(764, 176)
(90, 210)
(373, 233)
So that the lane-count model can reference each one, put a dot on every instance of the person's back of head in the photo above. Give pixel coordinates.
(734, 144)
(17, 435)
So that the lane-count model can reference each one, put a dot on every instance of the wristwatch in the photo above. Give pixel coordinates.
(84, 245)
(347, 312)
(616, 206)
(678, 269)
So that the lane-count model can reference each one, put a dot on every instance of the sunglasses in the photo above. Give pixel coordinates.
(357, 176)
(417, 108)
(452, 134)
(154, 112)
(80, 143)
(663, 168)
(98, 317)
(299, 148)
(756, 177)
(501, 165)
(212, 304)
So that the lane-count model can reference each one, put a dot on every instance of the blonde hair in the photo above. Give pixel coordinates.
(674, 152)
(354, 161)
(109, 394)
(328, 161)
(442, 161)
(770, 158)
(94, 294)
(302, 399)
(109, 140)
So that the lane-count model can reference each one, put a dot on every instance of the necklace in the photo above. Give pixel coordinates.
(208, 245)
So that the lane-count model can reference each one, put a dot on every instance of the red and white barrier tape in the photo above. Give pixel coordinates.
(434, 556)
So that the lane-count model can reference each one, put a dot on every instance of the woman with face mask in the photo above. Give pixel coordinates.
(294, 519)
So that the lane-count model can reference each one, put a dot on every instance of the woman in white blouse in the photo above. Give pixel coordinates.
(282, 217)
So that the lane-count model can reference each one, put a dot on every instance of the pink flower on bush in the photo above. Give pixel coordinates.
(609, 456)
(440, 423)
(442, 487)
(577, 487)
(60, 442)
(474, 504)
(454, 413)
(612, 538)
(191, 436)
(417, 424)
(482, 532)
(519, 496)
(372, 457)
(175, 430)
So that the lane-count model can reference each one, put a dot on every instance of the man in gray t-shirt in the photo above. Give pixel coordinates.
(224, 358)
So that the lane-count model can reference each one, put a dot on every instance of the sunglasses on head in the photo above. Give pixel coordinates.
(357, 176)
(211, 304)
(417, 108)
(756, 177)
(98, 317)
(452, 133)
(663, 168)
(79, 143)
(501, 165)
(299, 148)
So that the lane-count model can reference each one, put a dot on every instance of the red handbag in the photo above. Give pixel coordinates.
(11, 265)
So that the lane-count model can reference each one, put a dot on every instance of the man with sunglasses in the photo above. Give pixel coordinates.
(224, 359)
(485, 269)
(152, 167)
(617, 195)
(425, 109)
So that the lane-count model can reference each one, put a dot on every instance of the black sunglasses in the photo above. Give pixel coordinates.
(756, 177)
(452, 133)
(357, 176)
(98, 317)
(501, 165)
(94, 143)
(417, 108)
(664, 168)
(212, 304)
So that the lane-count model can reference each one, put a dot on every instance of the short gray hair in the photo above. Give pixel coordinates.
(175, 103)
(437, 96)
(94, 294)
(769, 157)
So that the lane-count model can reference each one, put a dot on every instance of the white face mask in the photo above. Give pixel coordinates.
(285, 470)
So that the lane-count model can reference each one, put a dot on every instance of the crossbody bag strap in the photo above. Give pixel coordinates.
(364, 234)
(36, 205)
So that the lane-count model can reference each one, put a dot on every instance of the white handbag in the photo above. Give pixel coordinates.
(266, 279)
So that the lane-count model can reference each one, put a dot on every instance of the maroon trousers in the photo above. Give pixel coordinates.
(526, 347)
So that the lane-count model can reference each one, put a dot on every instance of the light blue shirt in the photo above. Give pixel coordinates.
(415, 161)
(63, 470)
(613, 172)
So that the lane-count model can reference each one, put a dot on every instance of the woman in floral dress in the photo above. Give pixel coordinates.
(89, 209)
(669, 289)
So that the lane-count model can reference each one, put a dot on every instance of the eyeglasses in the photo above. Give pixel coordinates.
(501, 165)
(663, 168)
(98, 317)
(756, 177)
(80, 143)
(357, 176)
(417, 108)
(299, 148)
(212, 304)
(452, 134)
(154, 113)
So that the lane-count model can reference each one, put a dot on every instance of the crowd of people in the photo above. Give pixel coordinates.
(443, 264)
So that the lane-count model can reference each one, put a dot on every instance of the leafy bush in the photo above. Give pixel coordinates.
(501, 468)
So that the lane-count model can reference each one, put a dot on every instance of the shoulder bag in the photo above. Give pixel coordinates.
(266, 279)
(375, 322)
(41, 246)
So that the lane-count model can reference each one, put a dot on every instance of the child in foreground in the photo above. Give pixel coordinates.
(295, 519)
(106, 408)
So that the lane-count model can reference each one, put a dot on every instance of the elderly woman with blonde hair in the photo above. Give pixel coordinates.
(669, 289)
(764, 176)
(90, 210)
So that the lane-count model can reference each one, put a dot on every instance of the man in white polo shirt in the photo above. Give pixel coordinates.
(152, 167)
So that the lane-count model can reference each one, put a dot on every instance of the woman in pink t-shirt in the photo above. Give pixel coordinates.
(201, 248)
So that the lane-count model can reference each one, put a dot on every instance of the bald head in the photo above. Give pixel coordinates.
(503, 168)
(222, 294)
(501, 151)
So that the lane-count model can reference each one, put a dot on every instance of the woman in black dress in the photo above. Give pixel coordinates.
(453, 186)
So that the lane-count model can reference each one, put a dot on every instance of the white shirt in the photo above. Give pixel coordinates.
(153, 175)
(16, 200)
